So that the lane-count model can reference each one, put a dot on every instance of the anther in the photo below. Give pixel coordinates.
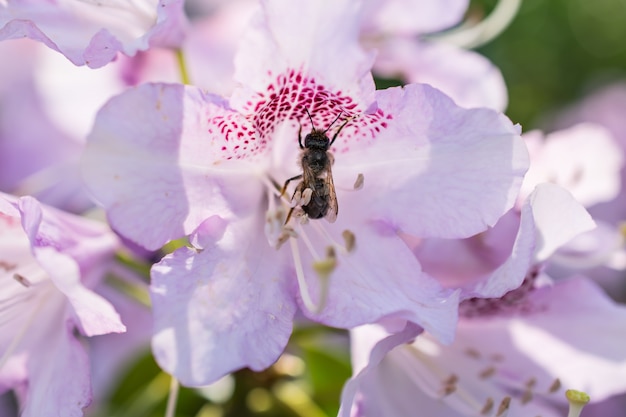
(285, 234)
(530, 384)
(487, 407)
(556, 385)
(472, 353)
(360, 180)
(22, 280)
(349, 239)
(7, 266)
(503, 408)
(527, 396)
(486, 373)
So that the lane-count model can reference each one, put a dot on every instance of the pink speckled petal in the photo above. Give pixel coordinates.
(224, 308)
(435, 169)
(317, 41)
(160, 168)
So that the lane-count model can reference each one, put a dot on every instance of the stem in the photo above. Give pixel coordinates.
(485, 30)
(172, 398)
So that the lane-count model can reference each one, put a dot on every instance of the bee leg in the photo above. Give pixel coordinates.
(305, 199)
(289, 215)
(282, 191)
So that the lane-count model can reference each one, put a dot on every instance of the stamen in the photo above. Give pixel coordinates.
(22, 280)
(349, 239)
(472, 353)
(486, 373)
(527, 396)
(360, 180)
(7, 266)
(577, 400)
(503, 408)
(487, 407)
(323, 269)
(308, 243)
(304, 289)
(556, 385)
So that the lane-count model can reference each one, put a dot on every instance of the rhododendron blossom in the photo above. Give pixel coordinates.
(514, 360)
(93, 32)
(171, 160)
(48, 263)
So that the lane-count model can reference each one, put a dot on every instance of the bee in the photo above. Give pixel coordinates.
(316, 192)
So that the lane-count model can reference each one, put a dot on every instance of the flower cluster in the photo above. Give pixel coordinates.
(244, 156)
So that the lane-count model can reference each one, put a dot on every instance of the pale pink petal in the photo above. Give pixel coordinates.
(153, 155)
(225, 307)
(558, 218)
(412, 16)
(289, 42)
(92, 33)
(436, 170)
(53, 245)
(585, 159)
(61, 386)
(571, 331)
(470, 79)
(375, 347)
(366, 287)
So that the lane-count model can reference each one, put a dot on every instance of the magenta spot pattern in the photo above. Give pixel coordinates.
(249, 135)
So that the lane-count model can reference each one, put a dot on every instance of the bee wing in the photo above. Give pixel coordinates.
(333, 207)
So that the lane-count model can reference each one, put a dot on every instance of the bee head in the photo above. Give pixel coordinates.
(317, 139)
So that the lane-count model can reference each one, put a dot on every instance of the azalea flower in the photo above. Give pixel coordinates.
(192, 163)
(399, 31)
(49, 260)
(92, 33)
(515, 360)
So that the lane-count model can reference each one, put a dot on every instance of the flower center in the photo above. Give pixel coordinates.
(471, 381)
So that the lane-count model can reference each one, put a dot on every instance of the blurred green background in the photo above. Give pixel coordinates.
(553, 53)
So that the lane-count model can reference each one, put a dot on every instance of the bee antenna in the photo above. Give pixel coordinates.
(310, 118)
(331, 125)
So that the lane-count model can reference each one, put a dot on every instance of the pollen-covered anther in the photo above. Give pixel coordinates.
(486, 410)
(285, 234)
(22, 280)
(360, 180)
(349, 240)
(503, 408)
